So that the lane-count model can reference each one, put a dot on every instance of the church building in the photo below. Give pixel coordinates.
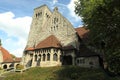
(6, 59)
(53, 41)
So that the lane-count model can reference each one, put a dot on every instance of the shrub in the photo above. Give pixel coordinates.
(0, 68)
(19, 67)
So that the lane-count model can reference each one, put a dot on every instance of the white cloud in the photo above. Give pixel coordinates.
(55, 1)
(18, 52)
(15, 27)
(71, 7)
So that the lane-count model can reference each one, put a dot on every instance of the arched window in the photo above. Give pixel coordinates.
(35, 57)
(5, 66)
(11, 65)
(55, 57)
(57, 26)
(44, 57)
(55, 20)
(36, 15)
(48, 57)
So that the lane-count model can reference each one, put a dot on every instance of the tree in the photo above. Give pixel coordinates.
(13, 56)
(102, 18)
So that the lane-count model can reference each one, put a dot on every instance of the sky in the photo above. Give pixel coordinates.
(16, 18)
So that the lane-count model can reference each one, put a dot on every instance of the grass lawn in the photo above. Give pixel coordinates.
(60, 73)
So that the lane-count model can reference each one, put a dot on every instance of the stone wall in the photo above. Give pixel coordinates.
(91, 62)
(51, 23)
(38, 20)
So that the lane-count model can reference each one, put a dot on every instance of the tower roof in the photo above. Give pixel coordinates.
(50, 41)
(6, 55)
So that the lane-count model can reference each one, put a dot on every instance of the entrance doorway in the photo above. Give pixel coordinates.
(67, 60)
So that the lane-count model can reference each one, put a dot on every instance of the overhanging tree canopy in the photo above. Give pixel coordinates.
(102, 17)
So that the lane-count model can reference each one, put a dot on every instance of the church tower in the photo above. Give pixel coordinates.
(51, 37)
(40, 16)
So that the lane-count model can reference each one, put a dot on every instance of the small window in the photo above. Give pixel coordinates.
(78, 61)
(57, 26)
(35, 57)
(40, 13)
(82, 61)
(47, 15)
(55, 20)
(31, 55)
(44, 57)
(48, 57)
(36, 15)
(91, 63)
(55, 57)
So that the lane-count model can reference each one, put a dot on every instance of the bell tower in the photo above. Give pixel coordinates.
(40, 16)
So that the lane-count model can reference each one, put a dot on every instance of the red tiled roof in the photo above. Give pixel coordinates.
(8, 60)
(29, 48)
(6, 55)
(50, 41)
(82, 32)
(18, 59)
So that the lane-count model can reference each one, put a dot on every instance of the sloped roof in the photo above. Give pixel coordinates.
(50, 41)
(82, 32)
(29, 48)
(6, 55)
(17, 59)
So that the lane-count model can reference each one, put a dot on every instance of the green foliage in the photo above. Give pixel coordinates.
(102, 17)
(60, 73)
(19, 67)
(13, 56)
(0, 68)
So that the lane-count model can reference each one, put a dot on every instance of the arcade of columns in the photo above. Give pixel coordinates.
(46, 57)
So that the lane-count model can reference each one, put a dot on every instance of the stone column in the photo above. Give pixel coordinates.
(45, 56)
(41, 56)
(59, 56)
(51, 55)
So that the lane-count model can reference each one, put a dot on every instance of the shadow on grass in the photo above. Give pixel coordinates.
(61, 73)
(77, 73)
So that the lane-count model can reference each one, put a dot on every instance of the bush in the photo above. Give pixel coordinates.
(19, 67)
(0, 68)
